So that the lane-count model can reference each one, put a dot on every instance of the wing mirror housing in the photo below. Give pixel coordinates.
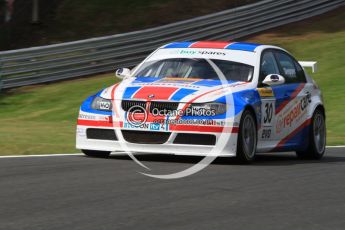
(274, 79)
(123, 73)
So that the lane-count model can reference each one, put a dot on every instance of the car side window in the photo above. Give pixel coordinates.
(288, 67)
(300, 73)
(268, 65)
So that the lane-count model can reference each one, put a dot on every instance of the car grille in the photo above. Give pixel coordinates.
(161, 106)
(195, 139)
(145, 137)
(101, 134)
(127, 105)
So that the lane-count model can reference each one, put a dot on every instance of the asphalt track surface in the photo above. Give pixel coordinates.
(77, 192)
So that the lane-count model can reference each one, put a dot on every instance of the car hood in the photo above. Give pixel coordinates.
(172, 89)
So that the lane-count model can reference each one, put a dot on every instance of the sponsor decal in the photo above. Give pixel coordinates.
(226, 88)
(294, 114)
(105, 105)
(147, 126)
(94, 117)
(174, 79)
(266, 134)
(127, 125)
(177, 81)
(266, 92)
(201, 52)
(298, 129)
(169, 83)
(155, 126)
(87, 117)
(222, 123)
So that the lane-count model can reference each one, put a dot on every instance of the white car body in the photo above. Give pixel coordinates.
(283, 112)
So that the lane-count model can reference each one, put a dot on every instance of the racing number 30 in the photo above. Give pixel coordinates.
(268, 113)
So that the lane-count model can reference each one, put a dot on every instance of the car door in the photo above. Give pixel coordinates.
(289, 96)
(268, 65)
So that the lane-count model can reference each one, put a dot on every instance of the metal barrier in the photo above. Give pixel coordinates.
(97, 55)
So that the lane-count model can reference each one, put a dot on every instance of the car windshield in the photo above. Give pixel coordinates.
(196, 68)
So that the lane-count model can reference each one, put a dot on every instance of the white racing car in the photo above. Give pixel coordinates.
(208, 98)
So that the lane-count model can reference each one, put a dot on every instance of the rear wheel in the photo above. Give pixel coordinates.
(247, 138)
(93, 153)
(317, 137)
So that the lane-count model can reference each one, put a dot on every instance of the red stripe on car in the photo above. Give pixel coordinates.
(112, 100)
(155, 93)
(209, 44)
(211, 129)
(98, 123)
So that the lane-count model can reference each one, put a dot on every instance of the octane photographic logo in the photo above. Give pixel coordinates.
(137, 118)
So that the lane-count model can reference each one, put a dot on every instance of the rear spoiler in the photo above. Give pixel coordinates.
(309, 64)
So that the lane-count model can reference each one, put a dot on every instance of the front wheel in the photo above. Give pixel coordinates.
(247, 138)
(317, 137)
(93, 153)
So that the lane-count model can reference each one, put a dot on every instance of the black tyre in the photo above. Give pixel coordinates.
(317, 137)
(93, 153)
(247, 138)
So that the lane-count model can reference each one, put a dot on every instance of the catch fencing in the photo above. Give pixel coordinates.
(104, 54)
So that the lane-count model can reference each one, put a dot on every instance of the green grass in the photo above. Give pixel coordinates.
(42, 119)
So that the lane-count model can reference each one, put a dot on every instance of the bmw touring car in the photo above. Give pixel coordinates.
(208, 98)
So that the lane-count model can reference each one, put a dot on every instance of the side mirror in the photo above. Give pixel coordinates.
(274, 79)
(123, 73)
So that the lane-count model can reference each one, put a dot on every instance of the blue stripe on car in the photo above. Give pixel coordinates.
(181, 93)
(298, 141)
(146, 79)
(179, 45)
(130, 91)
(211, 83)
(243, 46)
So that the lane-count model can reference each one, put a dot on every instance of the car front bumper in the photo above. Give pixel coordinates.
(114, 140)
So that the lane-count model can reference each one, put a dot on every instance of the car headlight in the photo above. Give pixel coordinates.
(206, 109)
(100, 103)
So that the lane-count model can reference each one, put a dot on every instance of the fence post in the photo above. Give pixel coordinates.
(1, 82)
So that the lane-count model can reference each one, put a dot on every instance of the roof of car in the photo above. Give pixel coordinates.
(242, 46)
